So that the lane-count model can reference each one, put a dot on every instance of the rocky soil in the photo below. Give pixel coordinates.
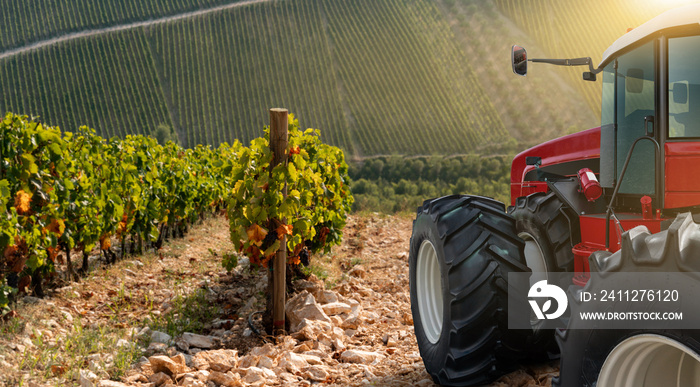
(352, 328)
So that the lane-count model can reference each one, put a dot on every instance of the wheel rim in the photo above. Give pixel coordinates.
(429, 291)
(650, 360)
(534, 259)
(534, 256)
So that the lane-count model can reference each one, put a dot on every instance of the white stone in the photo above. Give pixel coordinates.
(360, 357)
(265, 362)
(87, 378)
(311, 359)
(370, 317)
(228, 380)
(220, 360)
(154, 348)
(145, 332)
(304, 306)
(191, 381)
(316, 373)
(292, 362)
(196, 341)
(160, 378)
(165, 364)
(327, 297)
(310, 329)
(254, 379)
(110, 383)
(248, 361)
(335, 308)
(66, 315)
(160, 337)
(268, 350)
(337, 345)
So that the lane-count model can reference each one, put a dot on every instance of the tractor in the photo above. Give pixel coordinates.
(621, 197)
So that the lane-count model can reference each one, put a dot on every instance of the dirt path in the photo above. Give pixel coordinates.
(122, 27)
(123, 320)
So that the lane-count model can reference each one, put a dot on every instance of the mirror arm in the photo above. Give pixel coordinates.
(569, 62)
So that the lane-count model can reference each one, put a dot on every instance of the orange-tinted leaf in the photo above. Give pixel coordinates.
(121, 228)
(58, 370)
(284, 229)
(105, 242)
(298, 248)
(256, 234)
(57, 226)
(294, 151)
(53, 252)
(22, 200)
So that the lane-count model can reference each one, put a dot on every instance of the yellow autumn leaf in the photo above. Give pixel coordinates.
(22, 200)
(105, 242)
(256, 234)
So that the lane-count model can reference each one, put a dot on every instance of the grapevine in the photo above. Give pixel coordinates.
(63, 192)
(71, 192)
(313, 213)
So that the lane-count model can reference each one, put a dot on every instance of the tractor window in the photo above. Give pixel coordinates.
(607, 128)
(635, 94)
(684, 87)
(608, 107)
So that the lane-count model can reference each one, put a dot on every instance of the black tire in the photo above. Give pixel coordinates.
(584, 351)
(542, 218)
(476, 247)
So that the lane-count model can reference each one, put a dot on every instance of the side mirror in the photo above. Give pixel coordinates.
(518, 57)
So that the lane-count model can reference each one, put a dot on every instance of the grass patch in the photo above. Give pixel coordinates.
(326, 268)
(10, 327)
(64, 359)
(187, 314)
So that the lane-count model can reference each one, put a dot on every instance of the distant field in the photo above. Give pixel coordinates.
(390, 77)
(383, 77)
(28, 21)
(108, 82)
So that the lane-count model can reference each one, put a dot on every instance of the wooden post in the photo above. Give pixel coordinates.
(278, 144)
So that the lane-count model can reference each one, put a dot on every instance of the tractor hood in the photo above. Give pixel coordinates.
(567, 150)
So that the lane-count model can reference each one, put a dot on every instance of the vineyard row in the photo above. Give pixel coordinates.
(62, 192)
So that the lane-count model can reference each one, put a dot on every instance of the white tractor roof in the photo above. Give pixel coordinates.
(682, 16)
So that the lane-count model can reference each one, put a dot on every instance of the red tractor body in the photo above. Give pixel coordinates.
(650, 127)
(567, 155)
(602, 207)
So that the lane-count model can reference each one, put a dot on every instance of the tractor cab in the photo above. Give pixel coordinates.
(645, 154)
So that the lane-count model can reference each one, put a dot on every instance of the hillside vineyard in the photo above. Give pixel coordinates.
(398, 77)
